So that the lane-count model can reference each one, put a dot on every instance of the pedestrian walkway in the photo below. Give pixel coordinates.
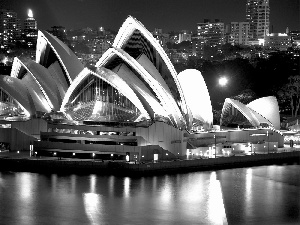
(26, 155)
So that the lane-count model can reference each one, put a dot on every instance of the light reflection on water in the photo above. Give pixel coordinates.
(216, 210)
(93, 207)
(126, 187)
(257, 195)
(249, 202)
(93, 183)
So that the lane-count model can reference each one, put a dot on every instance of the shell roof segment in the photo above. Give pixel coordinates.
(196, 95)
(18, 91)
(50, 49)
(268, 108)
(34, 72)
(135, 39)
(256, 118)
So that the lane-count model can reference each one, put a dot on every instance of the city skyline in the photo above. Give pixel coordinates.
(186, 15)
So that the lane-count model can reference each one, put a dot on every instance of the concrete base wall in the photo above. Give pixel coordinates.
(218, 163)
(32, 127)
(116, 149)
(18, 141)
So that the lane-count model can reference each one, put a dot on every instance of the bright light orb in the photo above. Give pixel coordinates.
(30, 14)
(223, 81)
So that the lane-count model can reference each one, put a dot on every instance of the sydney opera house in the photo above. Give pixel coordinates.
(133, 105)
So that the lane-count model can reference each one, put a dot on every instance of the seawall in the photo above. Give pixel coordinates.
(54, 165)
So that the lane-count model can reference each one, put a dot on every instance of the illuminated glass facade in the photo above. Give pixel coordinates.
(8, 106)
(95, 99)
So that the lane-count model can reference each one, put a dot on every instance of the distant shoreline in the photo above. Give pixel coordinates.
(77, 166)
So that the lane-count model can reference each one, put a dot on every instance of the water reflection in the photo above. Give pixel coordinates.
(93, 207)
(126, 187)
(216, 210)
(248, 193)
(166, 193)
(26, 186)
(257, 195)
(25, 189)
(93, 179)
(73, 183)
(111, 185)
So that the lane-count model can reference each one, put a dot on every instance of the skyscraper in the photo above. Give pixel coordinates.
(30, 30)
(211, 32)
(30, 23)
(239, 33)
(10, 28)
(258, 14)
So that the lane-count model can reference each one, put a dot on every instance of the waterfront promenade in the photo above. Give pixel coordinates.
(12, 161)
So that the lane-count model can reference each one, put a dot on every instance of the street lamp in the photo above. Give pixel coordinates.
(215, 146)
(268, 141)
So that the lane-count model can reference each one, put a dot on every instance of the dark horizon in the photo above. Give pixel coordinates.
(170, 15)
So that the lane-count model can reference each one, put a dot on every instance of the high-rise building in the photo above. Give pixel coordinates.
(212, 33)
(239, 33)
(198, 46)
(30, 30)
(278, 41)
(184, 36)
(258, 14)
(30, 23)
(10, 28)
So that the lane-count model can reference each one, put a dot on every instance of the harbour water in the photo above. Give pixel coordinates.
(256, 195)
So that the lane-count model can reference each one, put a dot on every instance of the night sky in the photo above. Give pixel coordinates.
(170, 15)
